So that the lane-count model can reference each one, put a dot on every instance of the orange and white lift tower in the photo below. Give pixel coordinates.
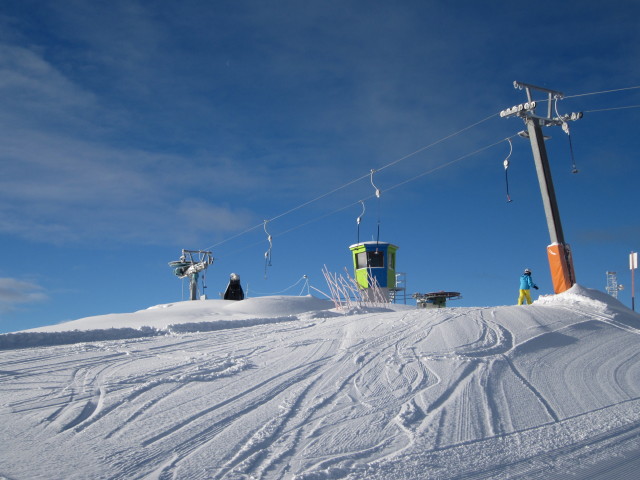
(559, 252)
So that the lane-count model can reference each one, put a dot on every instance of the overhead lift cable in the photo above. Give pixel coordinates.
(398, 160)
(612, 108)
(304, 279)
(355, 180)
(603, 91)
(372, 196)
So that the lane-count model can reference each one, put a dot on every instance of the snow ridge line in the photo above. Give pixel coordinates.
(539, 463)
(82, 392)
(141, 410)
(341, 464)
(9, 341)
(89, 410)
(183, 450)
(256, 449)
(297, 373)
(552, 413)
(195, 442)
(609, 319)
(226, 367)
(451, 389)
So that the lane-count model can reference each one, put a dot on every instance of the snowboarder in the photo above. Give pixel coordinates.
(525, 287)
(234, 289)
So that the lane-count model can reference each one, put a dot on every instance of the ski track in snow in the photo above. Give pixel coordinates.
(523, 390)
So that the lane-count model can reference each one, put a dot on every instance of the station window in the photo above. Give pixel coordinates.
(361, 260)
(376, 259)
(370, 259)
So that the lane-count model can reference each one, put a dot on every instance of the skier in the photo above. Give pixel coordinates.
(525, 287)
(234, 289)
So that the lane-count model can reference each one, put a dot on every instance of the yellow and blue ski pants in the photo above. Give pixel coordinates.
(525, 294)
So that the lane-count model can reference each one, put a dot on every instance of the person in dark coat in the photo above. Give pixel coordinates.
(234, 289)
(526, 283)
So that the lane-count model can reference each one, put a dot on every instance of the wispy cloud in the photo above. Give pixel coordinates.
(63, 178)
(65, 190)
(14, 292)
(145, 124)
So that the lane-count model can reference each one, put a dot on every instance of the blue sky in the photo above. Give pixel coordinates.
(130, 130)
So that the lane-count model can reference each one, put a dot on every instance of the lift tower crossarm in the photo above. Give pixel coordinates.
(552, 94)
(528, 109)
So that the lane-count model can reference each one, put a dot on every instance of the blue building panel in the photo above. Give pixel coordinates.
(375, 260)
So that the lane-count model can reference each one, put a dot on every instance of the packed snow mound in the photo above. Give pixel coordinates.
(549, 390)
(179, 317)
(279, 305)
(211, 315)
(580, 297)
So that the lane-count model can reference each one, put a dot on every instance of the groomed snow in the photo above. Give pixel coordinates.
(288, 387)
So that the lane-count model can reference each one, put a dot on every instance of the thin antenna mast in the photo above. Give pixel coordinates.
(378, 197)
(359, 219)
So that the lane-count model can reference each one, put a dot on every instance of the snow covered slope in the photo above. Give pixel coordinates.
(286, 387)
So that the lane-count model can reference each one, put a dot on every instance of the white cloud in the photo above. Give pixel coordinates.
(33, 89)
(66, 190)
(60, 182)
(13, 292)
(68, 172)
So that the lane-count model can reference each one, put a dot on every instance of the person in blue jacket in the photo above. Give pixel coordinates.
(525, 287)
